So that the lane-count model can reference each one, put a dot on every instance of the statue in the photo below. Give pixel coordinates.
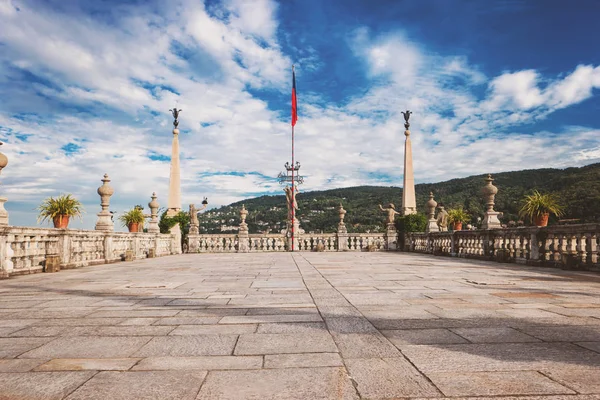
(442, 219)
(292, 205)
(391, 210)
(193, 215)
(175, 113)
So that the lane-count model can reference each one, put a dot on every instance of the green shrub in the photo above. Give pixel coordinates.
(411, 223)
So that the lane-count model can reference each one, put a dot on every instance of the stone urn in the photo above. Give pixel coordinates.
(61, 221)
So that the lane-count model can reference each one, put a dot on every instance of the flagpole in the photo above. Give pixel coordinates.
(293, 186)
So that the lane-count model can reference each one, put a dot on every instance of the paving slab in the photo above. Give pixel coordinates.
(303, 360)
(266, 343)
(583, 380)
(13, 347)
(494, 335)
(183, 346)
(289, 383)
(41, 385)
(423, 336)
(200, 363)
(499, 357)
(97, 364)
(19, 365)
(298, 327)
(496, 383)
(389, 378)
(184, 330)
(141, 385)
(88, 347)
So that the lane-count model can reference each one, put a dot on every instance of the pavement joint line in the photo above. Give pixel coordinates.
(558, 383)
(354, 383)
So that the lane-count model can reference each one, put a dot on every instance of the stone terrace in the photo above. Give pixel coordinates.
(300, 326)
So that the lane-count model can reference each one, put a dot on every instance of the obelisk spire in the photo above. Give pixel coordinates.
(409, 202)
(174, 202)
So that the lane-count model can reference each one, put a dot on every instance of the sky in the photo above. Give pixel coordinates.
(86, 88)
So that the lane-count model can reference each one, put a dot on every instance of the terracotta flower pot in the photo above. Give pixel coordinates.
(134, 227)
(458, 226)
(541, 220)
(61, 221)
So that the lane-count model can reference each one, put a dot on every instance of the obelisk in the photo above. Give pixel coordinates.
(174, 202)
(409, 202)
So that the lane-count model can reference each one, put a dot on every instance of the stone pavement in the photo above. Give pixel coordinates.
(301, 326)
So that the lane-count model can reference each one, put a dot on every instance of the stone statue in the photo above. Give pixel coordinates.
(442, 219)
(175, 113)
(243, 214)
(193, 215)
(290, 195)
(391, 210)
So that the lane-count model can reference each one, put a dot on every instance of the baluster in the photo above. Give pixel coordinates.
(581, 248)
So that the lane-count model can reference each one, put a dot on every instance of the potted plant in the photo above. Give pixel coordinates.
(457, 216)
(59, 210)
(537, 208)
(133, 218)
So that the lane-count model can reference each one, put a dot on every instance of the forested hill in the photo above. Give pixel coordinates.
(578, 189)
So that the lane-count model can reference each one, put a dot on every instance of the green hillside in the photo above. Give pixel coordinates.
(577, 188)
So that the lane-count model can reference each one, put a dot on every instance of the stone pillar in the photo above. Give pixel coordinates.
(391, 237)
(3, 212)
(243, 236)
(409, 202)
(431, 222)
(490, 217)
(6, 252)
(105, 222)
(174, 202)
(342, 232)
(153, 224)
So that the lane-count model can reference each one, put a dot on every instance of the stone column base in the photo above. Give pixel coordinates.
(391, 237)
(432, 226)
(490, 220)
(104, 223)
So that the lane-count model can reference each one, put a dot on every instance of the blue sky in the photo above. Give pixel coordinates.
(86, 88)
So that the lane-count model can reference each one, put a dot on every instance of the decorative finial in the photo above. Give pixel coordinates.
(175, 113)
(406, 117)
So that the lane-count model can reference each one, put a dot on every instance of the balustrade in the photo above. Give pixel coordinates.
(24, 250)
(572, 246)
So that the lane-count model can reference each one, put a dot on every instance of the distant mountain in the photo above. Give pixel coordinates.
(577, 188)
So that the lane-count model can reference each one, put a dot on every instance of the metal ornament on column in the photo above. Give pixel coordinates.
(105, 222)
(490, 217)
(431, 222)
(153, 224)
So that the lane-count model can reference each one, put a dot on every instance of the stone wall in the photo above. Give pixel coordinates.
(27, 250)
(563, 246)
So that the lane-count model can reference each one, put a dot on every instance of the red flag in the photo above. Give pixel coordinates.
(294, 101)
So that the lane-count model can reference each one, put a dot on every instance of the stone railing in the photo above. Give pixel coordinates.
(26, 250)
(568, 246)
(236, 243)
